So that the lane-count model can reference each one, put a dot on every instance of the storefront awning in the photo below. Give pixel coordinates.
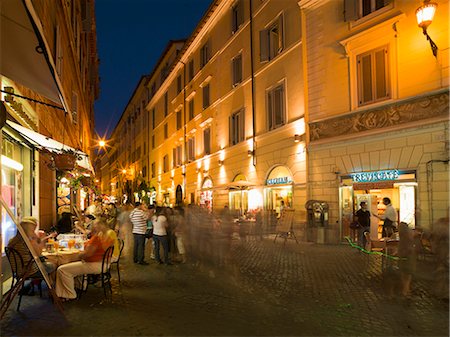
(40, 141)
(25, 54)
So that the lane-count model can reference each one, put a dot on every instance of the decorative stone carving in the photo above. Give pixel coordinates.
(413, 110)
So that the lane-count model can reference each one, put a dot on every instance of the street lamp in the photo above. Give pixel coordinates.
(425, 15)
(101, 143)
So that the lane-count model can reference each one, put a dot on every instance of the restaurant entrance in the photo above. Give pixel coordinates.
(400, 189)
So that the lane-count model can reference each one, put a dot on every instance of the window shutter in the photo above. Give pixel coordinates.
(230, 130)
(264, 45)
(240, 13)
(270, 109)
(174, 163)
(242, 125)
(280, 33)
(350, 10)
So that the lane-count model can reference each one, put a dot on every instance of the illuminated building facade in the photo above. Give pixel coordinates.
(377, 112)
(48, 81)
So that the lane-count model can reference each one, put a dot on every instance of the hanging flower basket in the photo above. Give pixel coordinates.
(64, 161)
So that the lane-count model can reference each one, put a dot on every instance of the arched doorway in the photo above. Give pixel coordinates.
(206, 194)
(178, 196)
(278, 190)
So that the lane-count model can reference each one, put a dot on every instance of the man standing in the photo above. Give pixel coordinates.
(139, 219)
(363, 218)
(389, 217)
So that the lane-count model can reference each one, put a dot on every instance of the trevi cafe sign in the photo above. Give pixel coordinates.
(369, 177)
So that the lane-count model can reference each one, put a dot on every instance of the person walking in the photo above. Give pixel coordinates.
(139, 219)
(160, 226)
(363, 219)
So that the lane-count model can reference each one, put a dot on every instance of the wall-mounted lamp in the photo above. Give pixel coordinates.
(220, 162)
(297, 138)
(250, 153)
(124, 171)
(205, 171)
(425, 15)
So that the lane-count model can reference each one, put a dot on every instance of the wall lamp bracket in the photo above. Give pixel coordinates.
(425, 15)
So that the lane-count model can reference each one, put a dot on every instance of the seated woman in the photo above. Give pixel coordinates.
(91, 262)
(29, 225)
(65, 224)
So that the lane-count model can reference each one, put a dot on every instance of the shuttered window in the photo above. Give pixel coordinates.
(207, 141)
(357, 9)
(237, 70)
(205, 54)
(191, 70)
(191, 149)
(166, 163)
(272, 40)
(237, 16)
(373, 78)
(166, 131)
(177, 156)
(206, 96)
(191, 109)
(178, 119)
(276, 107)
(237, 127)
(166, 104)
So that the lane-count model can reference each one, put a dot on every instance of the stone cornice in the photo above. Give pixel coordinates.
(409, 111)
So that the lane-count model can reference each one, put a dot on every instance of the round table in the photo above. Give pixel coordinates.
(63, 256)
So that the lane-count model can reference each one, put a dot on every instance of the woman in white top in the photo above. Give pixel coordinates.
(160, 226)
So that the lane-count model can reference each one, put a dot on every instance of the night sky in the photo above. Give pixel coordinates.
(131, 35)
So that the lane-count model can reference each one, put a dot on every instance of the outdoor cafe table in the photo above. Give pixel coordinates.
(63, 256)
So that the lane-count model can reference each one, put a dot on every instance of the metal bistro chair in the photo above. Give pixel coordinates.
(105, 274)
(121, 245)
(18, 267)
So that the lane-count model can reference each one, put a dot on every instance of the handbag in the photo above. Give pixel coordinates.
(149, 233)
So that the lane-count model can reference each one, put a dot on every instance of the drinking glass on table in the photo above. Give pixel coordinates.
(56, 244)
(70, 244)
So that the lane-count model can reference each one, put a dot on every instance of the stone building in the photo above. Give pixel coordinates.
(377, 110)
(49, 81)
(231, 110)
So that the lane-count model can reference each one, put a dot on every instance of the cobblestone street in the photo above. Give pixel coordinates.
(259, 288)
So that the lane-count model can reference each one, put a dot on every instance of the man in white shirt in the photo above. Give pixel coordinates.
(138, 218)
(389, 217)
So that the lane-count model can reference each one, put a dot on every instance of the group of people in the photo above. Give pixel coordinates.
(163, 225)
(101, 237)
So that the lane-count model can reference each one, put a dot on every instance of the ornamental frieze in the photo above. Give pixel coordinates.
(399, 113)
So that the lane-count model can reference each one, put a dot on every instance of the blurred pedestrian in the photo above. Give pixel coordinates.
(139, 217)
(160, 237)
(407, 254)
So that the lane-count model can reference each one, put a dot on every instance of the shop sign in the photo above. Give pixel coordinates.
(372, 186)
(278, 181)
(368, 177)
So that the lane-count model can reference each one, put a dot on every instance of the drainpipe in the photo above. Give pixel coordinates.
(184, 132)
(253, 83)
